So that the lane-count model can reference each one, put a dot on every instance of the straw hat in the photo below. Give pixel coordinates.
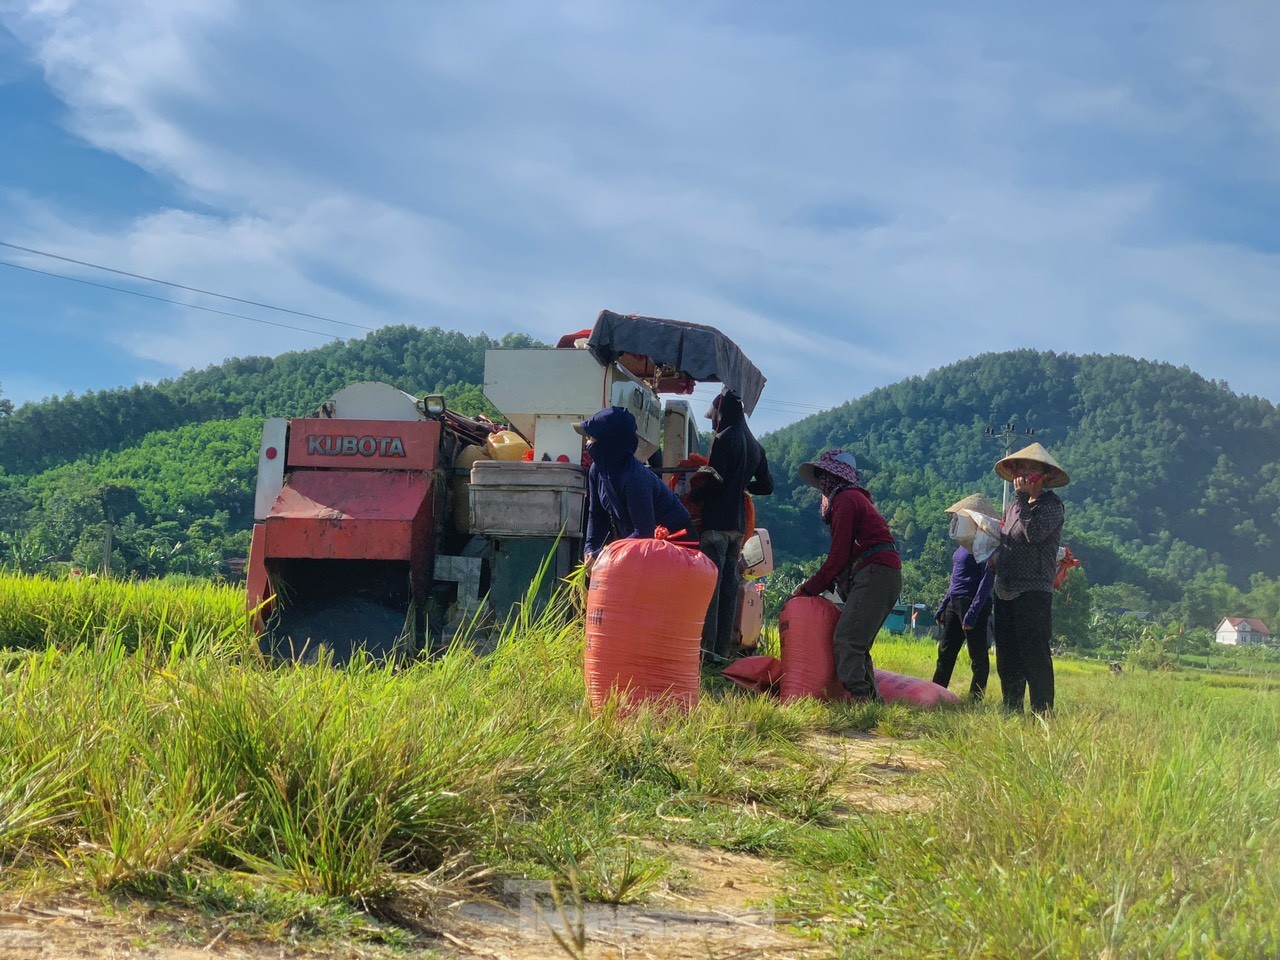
(977, 503)
(839, 463)
(1055, 475)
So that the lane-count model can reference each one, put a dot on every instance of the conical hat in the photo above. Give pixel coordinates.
(1057, 477)
(976, 502)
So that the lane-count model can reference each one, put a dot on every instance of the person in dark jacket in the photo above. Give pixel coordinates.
(965, 609)
(862, 564)
(1025, 566)
(625, 498)
(736, 464)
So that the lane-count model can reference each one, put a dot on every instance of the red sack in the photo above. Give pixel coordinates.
(807, 625)
(761, 674)
(645, 609)
(897, 688)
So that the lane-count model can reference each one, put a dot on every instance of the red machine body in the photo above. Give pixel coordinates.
(356, 490)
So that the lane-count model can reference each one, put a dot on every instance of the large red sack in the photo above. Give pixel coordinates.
(645, 609)
(897, 688)
(806, 626)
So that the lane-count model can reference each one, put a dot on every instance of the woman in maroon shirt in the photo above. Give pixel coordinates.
(862, 565)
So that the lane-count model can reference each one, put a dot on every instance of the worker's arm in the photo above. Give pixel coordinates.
(598, 523)
(1036, 522)
(981, 598)
(946, 598)
(844, 521)
(720, 463)
(761, 484)
(640, 496)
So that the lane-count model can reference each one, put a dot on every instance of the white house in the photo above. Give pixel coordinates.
(1242, 630)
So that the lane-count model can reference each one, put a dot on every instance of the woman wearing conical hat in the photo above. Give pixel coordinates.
(966, 608)
(1025, 567)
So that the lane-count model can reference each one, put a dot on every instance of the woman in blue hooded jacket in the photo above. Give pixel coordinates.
(625, 498)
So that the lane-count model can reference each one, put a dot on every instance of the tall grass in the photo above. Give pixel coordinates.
(152, 761)
(1143, 820)
(36, 612)
(145, 746)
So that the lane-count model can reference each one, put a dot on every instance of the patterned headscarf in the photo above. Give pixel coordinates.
(834, 471)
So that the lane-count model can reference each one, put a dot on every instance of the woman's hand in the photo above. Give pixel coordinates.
(1030, 484)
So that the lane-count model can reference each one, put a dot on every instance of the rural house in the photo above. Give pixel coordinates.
(1242, 630)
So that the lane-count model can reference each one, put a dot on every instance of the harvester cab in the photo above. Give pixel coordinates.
(385, 521)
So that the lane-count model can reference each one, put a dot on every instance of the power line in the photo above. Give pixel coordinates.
(781, 406)
(179, 303)
(179, 286)
(1006, 435)
(772, 403)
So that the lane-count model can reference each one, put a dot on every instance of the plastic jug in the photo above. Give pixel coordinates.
(506, 445)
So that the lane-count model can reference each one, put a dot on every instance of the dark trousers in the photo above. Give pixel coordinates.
(872, 593)
(1024, 631)
(722, 547)
(954, 637)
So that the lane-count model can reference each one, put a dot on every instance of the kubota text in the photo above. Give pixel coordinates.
(349, 446)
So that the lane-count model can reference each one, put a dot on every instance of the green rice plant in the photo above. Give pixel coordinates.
(620, 873)
(36, 612)
(146, 746)
(141, 829)
(1144, 824)
(33, 799)
(591, 850)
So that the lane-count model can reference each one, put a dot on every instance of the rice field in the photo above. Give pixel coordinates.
(146, 749)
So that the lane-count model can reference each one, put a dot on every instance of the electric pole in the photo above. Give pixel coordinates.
(1007, 435)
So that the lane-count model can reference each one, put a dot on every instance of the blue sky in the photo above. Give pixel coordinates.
(855, 192)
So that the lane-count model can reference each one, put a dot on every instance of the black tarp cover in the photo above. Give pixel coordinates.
(702, 352)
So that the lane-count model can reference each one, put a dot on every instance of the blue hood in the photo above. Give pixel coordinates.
(614, 431)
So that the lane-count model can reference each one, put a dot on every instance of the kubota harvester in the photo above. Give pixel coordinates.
(384, 520)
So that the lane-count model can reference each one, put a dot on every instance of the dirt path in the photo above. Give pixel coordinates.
(711, 907)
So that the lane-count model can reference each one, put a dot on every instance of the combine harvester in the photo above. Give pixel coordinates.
(385, 521)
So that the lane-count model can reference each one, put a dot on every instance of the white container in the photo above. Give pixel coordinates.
(750, 615)
(757, 555)
(519, 499)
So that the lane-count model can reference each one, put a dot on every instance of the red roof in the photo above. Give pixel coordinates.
(1257, 626)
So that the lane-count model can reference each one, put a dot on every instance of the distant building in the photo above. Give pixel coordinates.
(1242, 630)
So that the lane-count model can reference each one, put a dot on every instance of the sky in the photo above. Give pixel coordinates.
(854, 192)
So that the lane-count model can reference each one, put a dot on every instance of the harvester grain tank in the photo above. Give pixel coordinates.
(384, 520)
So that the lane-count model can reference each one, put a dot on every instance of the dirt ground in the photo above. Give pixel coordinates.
(713, 905)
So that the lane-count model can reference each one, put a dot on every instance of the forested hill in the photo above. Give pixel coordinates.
(1170, 473)
(1174, 478)
(38, 436)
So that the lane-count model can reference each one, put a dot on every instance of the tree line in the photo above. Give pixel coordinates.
(1174, 504)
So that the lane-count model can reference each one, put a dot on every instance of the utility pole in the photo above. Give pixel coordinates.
(1008, 435)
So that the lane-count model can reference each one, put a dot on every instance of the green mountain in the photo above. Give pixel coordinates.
(37, 436)
(1175, 492)
(1171, 474)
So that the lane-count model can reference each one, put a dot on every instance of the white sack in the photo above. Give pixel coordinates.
(976, 532)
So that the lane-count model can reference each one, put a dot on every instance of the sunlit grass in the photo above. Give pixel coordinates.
(144, 746)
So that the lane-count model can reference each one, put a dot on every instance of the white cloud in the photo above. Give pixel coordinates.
(867, 193)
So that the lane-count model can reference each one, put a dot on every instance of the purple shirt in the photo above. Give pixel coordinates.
(968, 579)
